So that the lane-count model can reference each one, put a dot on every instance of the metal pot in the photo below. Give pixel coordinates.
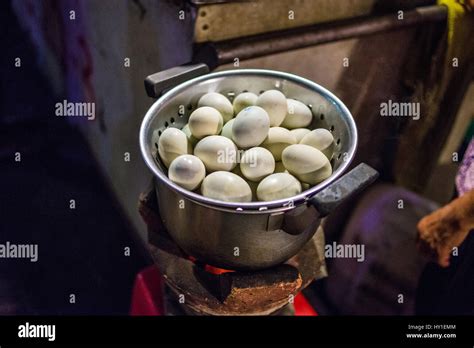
(254, 235)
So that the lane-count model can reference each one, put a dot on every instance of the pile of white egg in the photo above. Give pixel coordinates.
(264, 153)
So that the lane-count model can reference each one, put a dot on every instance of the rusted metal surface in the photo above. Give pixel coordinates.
(233, 19)
(232, 293)
(218, 53)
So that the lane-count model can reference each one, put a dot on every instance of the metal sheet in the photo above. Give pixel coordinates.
(215, 54)
(221, 21)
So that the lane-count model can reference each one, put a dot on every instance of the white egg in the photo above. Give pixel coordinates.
(278, 186)
(244, 100)
(253, 185)
(217, 153)
(226, 186)
(280, 168)
(171, 144)
(317, 176)
(274, 103)
(250, 127)
(299, 133)
(307, 163)
(205, 121)
(187, 171)
(320, 139)
(277, 140)
(218, 102)
(227, 129)
(256, 163)
(191, 139)
(298, 115)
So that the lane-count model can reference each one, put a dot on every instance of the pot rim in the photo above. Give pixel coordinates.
(261, 207)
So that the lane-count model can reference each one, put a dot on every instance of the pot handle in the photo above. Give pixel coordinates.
(348, 185)
(157, 83)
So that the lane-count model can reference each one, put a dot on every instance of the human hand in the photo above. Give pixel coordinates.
(446, 228)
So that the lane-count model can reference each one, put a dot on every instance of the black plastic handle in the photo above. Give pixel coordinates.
(159, 82)
(348, 185)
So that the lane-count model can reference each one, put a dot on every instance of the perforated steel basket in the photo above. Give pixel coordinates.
(263, 233)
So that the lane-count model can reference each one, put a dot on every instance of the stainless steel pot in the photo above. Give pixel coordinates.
(255, 235)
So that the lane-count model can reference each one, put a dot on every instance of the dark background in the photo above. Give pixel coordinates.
(80, 251)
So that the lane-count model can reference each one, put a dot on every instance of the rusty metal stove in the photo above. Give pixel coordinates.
(197, 289)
